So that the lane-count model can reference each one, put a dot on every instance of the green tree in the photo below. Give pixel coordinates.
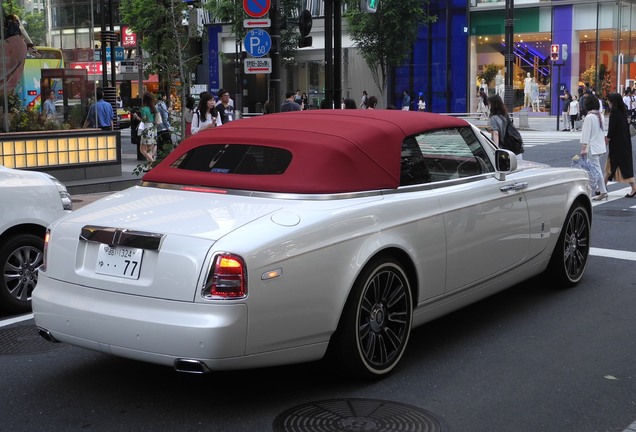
(165, 40)
(489, 73)
(36, 27)
(385, 38)
(600, 81)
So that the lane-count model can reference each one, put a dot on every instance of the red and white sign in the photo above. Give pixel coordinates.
(256, 8)
(257, 65)
(93, 68)
(128, 38)
(257, 22)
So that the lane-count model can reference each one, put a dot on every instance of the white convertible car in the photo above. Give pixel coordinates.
(296, 236)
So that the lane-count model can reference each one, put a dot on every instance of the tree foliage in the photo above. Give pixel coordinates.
(600, 81)
(36, 27)
(165, 40)
(385, 38)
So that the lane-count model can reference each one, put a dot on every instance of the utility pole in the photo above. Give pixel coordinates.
(509, 93)
(329, 52)
(274, 77)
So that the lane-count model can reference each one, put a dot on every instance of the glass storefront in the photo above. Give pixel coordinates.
(594, 46)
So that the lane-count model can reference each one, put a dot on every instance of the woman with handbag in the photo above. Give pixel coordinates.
(593, 142)
(147, 127)
(619, 166)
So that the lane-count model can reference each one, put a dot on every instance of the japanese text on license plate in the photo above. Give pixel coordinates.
(119, 261)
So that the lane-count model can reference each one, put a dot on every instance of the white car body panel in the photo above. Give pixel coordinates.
(28, 197)
(463, 239)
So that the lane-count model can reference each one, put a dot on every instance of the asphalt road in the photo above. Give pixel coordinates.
(532, 358)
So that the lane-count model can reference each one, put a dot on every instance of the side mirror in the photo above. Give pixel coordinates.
(505, 162)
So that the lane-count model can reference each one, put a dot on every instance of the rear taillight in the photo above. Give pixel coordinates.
(47, 236)
(226, 279)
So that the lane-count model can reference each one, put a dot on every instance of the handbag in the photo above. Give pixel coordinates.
(141, 128)
(158, 119)
(578, 124)
(581, 162)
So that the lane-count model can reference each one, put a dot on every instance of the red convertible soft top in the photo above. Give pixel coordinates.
(332, 151)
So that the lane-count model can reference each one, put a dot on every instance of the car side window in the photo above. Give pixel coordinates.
(413, 169)
(453, 153)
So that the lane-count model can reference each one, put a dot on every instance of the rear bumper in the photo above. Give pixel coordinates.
(142, 328)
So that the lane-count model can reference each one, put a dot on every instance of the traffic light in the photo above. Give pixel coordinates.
(554, 52)
(370, 6)
(304, 25)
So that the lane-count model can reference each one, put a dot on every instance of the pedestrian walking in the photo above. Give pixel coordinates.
(406, 101)
(619, 166)
(289, 104)
(574, 111)
(48, 107)
(100, 114)
(364, 100)
(225, 107)
(483, 103)
(163, 126)
(593, 142)
(349, 104)
(148, 142)
(565, 110)
(188, 114)
(498, 121)
(421, 104)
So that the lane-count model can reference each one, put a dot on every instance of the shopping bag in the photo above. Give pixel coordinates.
(581, 162)
(578, 124)
(141, 128)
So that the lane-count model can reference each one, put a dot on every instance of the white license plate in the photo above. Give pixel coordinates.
(119, 261)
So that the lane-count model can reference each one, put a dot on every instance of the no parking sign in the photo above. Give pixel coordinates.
(256, 8)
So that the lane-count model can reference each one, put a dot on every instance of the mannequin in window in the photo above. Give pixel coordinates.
(500, 87)
(534, 95)
(526, 90)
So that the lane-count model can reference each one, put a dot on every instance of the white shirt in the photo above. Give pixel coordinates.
(199, 123)
(574, 107)
(627, 100)
(593, 135)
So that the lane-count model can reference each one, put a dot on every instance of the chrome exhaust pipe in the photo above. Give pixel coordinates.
(46, 335)
(190, 366)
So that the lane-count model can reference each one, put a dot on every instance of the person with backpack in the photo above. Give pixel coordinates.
(205, 117)
(504, 134)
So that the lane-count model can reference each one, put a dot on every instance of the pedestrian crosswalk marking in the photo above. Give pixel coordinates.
(535, 138)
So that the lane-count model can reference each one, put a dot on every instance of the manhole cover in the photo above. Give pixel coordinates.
(356, 415)
(24, 340)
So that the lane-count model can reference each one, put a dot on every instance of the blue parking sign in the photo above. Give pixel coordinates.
(257, 42)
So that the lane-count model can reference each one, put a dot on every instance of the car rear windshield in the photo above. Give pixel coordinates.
(235, 159)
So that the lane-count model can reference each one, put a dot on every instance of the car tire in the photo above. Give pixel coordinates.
(375, 325)
(569, 258)
(20, 258)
